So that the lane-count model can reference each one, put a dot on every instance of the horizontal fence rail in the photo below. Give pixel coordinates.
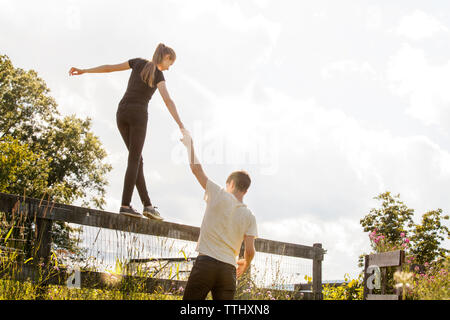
(45, 213)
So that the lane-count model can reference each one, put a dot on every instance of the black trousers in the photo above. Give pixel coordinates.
(132, 124)
(209, 274)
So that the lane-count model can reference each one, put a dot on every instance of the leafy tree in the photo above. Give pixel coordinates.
(25, 103)
(428, 236)
(45, 155)
(75, 156)
(395, 218)
(21, 169)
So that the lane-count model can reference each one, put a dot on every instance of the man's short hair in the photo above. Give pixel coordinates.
(241, 180)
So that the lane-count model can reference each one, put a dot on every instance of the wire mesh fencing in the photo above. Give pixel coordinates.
(97, 242)
(166, 258)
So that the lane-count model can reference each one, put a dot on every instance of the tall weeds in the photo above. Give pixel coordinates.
(24, 276)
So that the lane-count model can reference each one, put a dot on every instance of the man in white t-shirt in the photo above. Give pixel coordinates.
(227, 222)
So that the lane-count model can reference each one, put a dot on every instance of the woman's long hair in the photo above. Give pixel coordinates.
(149, 70)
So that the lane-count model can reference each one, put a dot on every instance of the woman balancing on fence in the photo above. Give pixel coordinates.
(132, 117)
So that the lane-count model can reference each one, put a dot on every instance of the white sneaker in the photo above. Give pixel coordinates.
(151, 213)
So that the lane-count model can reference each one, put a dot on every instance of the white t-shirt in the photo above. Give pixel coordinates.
(224, 225)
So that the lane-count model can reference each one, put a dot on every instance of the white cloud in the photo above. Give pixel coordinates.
(262, 3)
(80, 103)
(374, 18)
(342, 238)
(347, 67)
(227, 19)
(425, 85)
(318, 148)
(229, 14)
(364, 160)
(419, 25)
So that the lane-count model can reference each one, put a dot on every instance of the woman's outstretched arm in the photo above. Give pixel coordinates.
(101, 69)
(169, 103)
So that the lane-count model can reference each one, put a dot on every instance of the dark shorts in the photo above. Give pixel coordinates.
(209, 274)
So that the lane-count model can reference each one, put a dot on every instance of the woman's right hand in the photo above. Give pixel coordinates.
(187, 139)
(75, 71)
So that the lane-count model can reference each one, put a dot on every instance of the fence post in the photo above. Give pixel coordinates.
(42, 253)
(44, 240)
(317, 272)
(366, 265)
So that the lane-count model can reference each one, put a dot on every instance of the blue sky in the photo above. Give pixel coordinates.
(325, 103)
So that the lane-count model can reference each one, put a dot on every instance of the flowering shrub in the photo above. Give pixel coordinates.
(434, 283)
(380, 244)
(349, 290)
(430, 281)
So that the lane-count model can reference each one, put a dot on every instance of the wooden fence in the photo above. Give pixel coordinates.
(45, 214)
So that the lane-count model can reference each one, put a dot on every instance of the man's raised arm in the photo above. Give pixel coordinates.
(195, 165)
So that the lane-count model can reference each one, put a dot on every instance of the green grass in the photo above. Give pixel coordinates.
(17, 290)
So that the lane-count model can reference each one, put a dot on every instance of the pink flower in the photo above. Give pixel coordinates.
(402, 234)
(406, 240)
(426, 264)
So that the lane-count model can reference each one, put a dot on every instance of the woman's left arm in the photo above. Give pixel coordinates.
(100, 69)
(169, 103)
